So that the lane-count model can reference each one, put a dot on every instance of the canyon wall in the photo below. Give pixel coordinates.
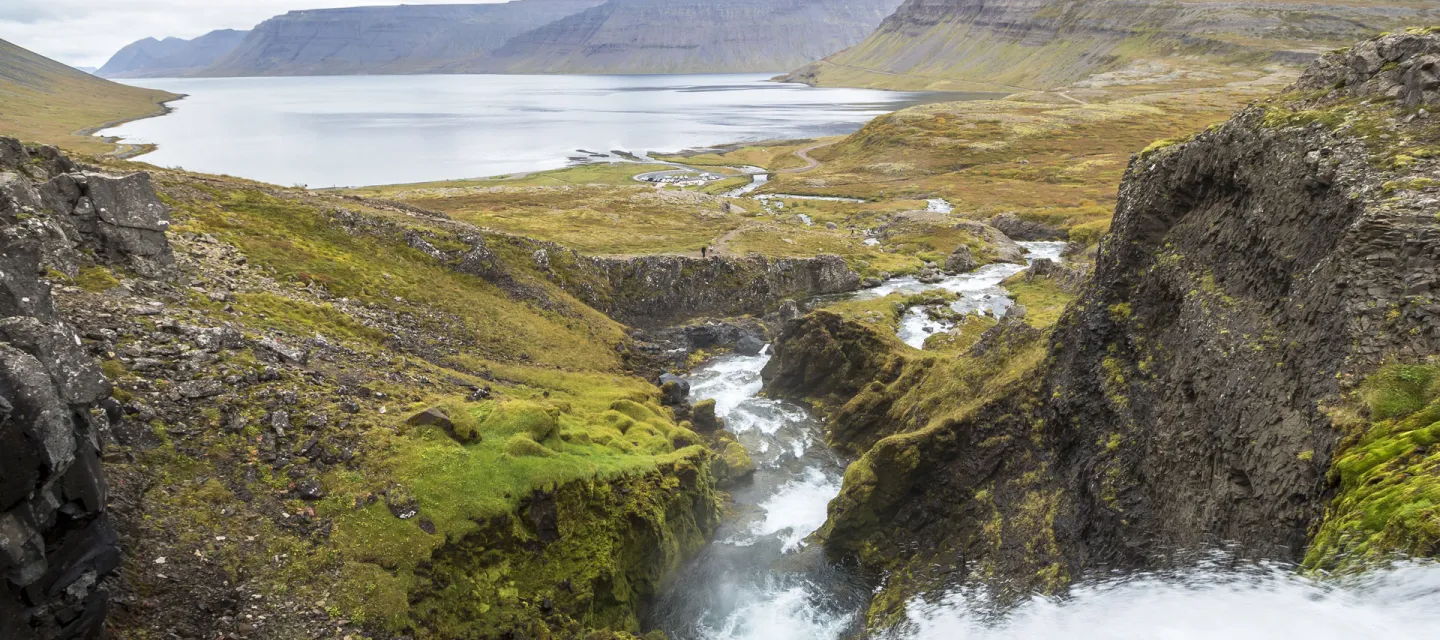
(1263, 309)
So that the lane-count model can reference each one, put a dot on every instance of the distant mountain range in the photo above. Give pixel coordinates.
(522, 36)
(171, 56)
(1038, 44)
(694, 36)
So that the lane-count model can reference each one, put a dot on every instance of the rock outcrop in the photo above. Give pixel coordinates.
(653, 291)
(57, 544)
(1254, 276)
(171, 57)
(1039, 44)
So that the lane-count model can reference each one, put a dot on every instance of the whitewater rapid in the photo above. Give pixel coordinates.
(762, 579)
(1203, 602)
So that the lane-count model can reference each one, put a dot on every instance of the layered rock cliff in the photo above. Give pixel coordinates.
(1249, 365)
(58, 546)
(171, 57)
(405, 39)
(694, 36)
(1041, 44)
(521, 36)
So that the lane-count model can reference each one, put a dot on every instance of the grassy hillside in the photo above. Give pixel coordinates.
(960, 45)
(42, 100)
(303, 479)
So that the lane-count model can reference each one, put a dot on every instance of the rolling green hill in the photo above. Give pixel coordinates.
(43, 100)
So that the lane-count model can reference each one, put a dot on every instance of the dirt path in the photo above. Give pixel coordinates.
(804, 154)
(721, 245)
(1072, 98)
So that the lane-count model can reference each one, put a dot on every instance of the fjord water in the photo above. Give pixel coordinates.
(368, 130)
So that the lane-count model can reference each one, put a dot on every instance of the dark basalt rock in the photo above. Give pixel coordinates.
(1251, 275)
(57, 544)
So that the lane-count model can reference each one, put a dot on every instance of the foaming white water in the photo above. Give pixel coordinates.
(729, 381)
(778, 612)
(1259, 603)
(1049, 250)
(798, 508)
(979, 290)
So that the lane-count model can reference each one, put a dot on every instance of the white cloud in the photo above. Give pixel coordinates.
(88, 32)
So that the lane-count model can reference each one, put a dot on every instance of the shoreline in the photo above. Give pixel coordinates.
(124, 151)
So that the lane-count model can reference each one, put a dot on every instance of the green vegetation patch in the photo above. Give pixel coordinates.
(1388, 468)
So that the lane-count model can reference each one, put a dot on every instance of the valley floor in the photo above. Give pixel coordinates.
(435, 411)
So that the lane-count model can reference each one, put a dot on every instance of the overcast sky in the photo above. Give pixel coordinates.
(88, 32)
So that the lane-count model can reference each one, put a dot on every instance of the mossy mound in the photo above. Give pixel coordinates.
(1388, 469)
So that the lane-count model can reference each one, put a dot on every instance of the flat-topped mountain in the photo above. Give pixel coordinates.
(151, 58)
(521, 36)
(1040, 44)
(394, 40)
(688, 36)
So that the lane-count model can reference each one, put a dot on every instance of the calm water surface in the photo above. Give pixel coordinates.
(365, 130)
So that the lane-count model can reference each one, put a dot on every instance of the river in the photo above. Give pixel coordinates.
(760, 579)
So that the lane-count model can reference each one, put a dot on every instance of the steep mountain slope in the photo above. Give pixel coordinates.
(171, 57)
(1038, 44)
(404, 39)
(1254, 363)
(690, 36)
(46, 101)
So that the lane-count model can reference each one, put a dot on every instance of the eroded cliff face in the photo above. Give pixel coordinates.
(1040, 44)
(411, 39)
(653, 291)
(694, 36)
(1255, 275)
(58, 546)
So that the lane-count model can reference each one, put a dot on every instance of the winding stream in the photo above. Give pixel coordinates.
(979, 291)
(761, 580)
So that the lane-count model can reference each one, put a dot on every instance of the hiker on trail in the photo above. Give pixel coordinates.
(704, 251)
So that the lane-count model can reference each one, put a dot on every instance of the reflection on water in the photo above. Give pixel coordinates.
(365, 130)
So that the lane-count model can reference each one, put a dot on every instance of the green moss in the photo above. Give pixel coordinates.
(1388, 470)
(522, 445)
(1089, 233)
(96, 279)
(1042, 298)
(1400, 390)
(1162, 144)
(612, 545)
(279, 312)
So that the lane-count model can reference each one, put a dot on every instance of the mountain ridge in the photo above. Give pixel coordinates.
(521, 36)
(1044, 44)
(152, 58)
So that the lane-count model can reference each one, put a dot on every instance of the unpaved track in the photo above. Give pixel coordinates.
(804, 154)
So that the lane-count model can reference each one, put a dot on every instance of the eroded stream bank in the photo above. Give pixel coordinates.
(760, 578)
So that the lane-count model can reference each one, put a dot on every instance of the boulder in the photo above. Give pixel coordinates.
(57, 544)
(673, 390)
(704, 418)
(960, 260)
(750, 345)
